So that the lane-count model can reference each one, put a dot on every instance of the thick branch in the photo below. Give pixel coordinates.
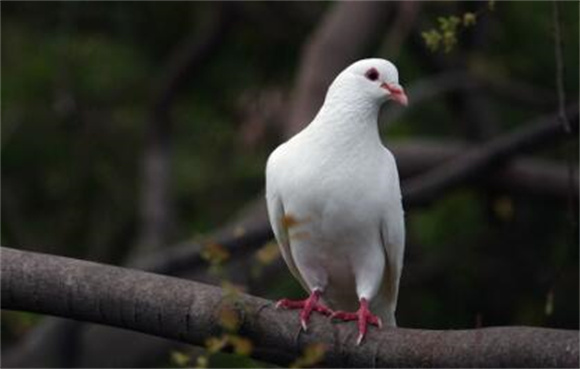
(186, 311)
(42, 346)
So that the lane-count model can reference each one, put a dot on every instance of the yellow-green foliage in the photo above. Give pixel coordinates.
(445, 35)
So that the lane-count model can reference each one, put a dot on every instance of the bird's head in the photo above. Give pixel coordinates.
(373, 79)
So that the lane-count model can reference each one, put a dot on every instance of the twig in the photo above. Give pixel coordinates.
(565, 122)
(558, 46)
(562, 116)
(184, 257)
(186, 311)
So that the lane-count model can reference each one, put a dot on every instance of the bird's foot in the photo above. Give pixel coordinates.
(363, 316)
(307, 305)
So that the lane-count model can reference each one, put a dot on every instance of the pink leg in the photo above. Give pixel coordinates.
(307, 305)
(364, 317)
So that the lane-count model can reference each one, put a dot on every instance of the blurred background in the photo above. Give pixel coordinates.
(135, 128)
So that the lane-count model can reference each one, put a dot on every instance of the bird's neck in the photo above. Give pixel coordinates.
(349, 122)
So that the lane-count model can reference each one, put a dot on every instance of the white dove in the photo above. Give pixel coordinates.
(334, 202)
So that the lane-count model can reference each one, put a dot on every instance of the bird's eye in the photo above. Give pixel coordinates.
(372, 74)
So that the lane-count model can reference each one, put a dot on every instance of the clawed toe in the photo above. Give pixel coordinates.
(363, 316)
(289, 304)
(307, 305)
(344, 316)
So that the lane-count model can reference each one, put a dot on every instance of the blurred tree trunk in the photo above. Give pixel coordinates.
(187, 60)
(342, 37)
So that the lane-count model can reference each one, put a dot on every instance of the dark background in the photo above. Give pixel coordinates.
(91, 90)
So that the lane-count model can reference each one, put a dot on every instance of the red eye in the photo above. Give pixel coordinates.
(372, 74)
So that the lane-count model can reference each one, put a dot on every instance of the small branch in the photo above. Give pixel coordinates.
(563, 117)
(186, 256)
(558, 46)
(186, 311)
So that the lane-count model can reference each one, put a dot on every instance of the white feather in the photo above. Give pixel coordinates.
(339, 186)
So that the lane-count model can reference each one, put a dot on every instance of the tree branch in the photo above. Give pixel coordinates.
(186, 311)
(522, 175)
(563, 117)
(474, 163)
(558, 46)
(41, 347)
(413, 157)
(187, 256)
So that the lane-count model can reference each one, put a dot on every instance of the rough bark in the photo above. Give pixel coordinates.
(186, 311)
(99, 345)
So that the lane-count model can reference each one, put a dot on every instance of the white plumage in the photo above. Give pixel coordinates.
(334, 198)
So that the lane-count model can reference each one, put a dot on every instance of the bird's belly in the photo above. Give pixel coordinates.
(333, 235)
(328, 266)
(329, 250)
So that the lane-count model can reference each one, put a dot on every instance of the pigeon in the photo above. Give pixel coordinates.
(335, 206)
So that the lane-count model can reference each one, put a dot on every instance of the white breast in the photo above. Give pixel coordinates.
(336, 199)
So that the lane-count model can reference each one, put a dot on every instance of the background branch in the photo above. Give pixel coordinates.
(342, 37)
(522, 174)
(186, 311)
(563, 118)
(428, 186)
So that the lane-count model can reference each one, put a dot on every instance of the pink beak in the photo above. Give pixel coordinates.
(397, 93)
